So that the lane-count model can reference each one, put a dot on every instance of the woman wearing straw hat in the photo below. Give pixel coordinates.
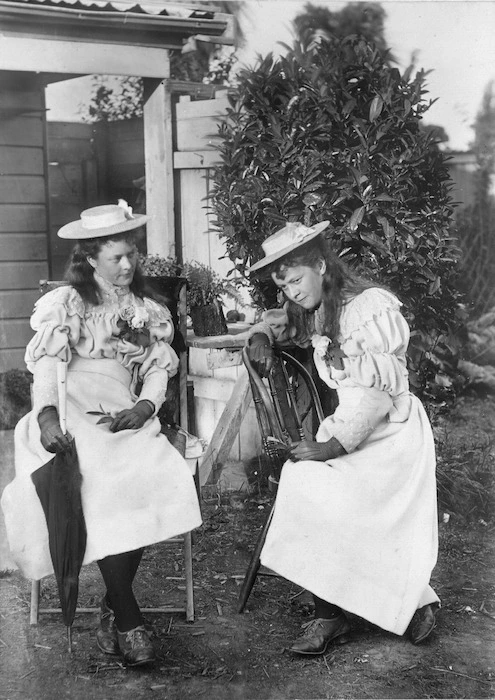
(355, 520)
(136, 488)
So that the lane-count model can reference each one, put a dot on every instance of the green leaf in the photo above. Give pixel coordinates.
(375, 108)
(356, 218)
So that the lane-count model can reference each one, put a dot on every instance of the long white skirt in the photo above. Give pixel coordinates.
(136, 488)
(361, 531)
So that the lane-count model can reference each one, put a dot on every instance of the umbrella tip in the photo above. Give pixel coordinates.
(69, 639)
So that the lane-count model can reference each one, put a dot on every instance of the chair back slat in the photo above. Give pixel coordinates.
(308, 379)
(281, 418)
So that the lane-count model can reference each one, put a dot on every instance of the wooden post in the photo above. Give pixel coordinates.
(158, 154)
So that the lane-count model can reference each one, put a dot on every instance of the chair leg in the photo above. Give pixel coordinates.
(35, 602)
(254, 564)
(188, 574)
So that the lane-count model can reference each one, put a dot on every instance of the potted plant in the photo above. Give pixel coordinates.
(204, 288)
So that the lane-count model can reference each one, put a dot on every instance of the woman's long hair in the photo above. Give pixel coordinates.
(80, 274)
(340, 285)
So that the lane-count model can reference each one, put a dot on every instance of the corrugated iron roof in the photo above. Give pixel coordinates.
(177, 8)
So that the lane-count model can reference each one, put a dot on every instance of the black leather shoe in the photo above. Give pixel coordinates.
(319, 633)
(422, 624)
(136, 647)
(106, 634)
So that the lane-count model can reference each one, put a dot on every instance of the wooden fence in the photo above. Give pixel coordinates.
(23, 216)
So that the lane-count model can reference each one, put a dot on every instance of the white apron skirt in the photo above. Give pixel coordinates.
(136, 488)
(361, 530)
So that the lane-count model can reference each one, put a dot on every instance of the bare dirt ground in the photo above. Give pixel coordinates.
(224, 655)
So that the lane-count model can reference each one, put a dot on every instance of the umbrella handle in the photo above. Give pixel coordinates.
(62, 394)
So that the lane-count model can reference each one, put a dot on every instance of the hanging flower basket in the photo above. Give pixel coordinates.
(208, 320)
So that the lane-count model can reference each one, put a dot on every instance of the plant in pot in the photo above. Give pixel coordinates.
(204, 290)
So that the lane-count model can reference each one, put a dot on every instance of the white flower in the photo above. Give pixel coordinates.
(320, 344)
(140, 318)
(126, 313)
(136, 316)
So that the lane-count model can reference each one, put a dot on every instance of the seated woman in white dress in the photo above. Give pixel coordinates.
(355, 520)
(136, 488)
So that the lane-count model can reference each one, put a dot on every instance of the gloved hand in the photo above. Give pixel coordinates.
(132, 418)
(52, 437)
(316, 451)
(260, 353)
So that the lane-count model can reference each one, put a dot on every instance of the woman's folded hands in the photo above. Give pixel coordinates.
(316, 451)
(132, 418)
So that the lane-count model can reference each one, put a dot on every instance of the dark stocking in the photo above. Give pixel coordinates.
(118, 573)
(325, 610)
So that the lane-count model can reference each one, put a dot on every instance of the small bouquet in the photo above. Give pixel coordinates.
(330, 351)
(132, 324)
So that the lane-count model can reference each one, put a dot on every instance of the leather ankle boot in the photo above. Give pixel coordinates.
(422, 624)
(318, 634)
(136, 647)
(106, 634)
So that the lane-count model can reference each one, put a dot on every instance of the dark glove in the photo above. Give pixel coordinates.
(316, 451)
(260, 353)
(52, 437)
(132, 418)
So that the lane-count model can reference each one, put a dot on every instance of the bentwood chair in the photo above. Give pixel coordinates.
(288, 408)
(174, 418)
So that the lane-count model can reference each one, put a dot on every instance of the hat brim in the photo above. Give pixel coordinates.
(317, 229)
(74, 230)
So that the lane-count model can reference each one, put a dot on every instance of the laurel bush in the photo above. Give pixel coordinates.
(332, 131)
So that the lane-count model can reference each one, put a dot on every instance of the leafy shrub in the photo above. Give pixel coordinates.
(331, 131)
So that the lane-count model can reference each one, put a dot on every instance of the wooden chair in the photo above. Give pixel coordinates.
(288, 408)
(173, 417)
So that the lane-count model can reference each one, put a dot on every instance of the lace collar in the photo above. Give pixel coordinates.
(109, 291)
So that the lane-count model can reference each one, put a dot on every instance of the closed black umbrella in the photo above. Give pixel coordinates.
(58, 485)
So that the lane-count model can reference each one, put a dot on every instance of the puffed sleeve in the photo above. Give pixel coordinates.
(161, 361)
(56, 321)
(373, 369)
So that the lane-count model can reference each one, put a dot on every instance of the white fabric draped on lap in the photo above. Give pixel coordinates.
(136, 488)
